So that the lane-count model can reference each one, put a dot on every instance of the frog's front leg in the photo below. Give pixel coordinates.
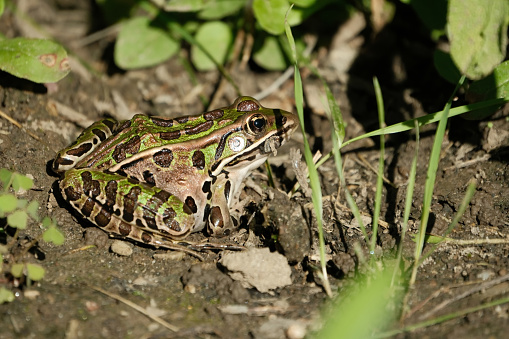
(219, 221)
(127, 207)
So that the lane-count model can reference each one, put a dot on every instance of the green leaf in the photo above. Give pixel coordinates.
(22, 203)
(304, 3)
(271, 15)
(6, 296)
(5, 177)
(270, 55)
(20, 181)
(216, 37)
(37, 60)
(47, 222)
(218, 9)
(8, 203)
(32, 209)
(446, 67)
(141, 43)
(35, 272)
(17, 270)
(53, 235)
(2, 6)
(18, 219)
(477, 30)
(495, 85)
(180, 5)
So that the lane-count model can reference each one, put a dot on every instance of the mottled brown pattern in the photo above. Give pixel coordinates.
(147, 238)
(109, 123)
(150, 219)
(198, 159)
(163, 158)
(213, 115)
(163, 195)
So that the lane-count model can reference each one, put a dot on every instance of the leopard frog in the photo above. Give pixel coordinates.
(156, 180)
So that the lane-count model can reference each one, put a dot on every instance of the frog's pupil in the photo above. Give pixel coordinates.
(259, 123)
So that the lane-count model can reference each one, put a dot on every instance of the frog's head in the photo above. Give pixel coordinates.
(255, 133)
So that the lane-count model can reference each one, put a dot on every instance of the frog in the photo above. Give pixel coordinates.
(155, 179)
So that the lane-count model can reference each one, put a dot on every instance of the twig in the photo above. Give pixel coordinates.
(17, 124)
(137, 308)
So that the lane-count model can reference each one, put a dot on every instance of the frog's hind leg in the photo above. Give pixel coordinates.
(127, 207)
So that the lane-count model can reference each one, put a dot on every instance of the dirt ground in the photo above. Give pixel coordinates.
(200, 297)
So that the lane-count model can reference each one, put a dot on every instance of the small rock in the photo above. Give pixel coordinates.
(122, 248)
(258, 268)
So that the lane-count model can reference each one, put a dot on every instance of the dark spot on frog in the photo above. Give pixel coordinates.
(87, 207)
(130, 202)
(131, 164)
(150, 219)
(81, 150)
(123, 126)
(103, 218)
(199, 128)
(162, 122)
(169, 135)
(182, 120)
(198, 159)
(109, 124)
(149, 177)
(71, 194)
(213, 115)
(124, 228)
(99, 133)
(91, 187)
(216, 217)
(147, 238)
(206, 212)
(191, 204)
(227, 188)
(206, 189)
(162, 195)
(163, 158)
(111, 193)
(130, 147)
(247, 106)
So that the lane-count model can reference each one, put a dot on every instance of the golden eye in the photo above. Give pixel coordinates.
(256, 124)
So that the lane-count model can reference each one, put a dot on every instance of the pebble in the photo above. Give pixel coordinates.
(122, 248)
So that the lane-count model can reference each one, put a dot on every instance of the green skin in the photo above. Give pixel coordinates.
(156, 179)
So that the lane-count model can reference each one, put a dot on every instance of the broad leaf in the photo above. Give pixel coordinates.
(477, 30)
(35, 272)
(271, 15)
(20, 181)
(37, 60)
(8, 203)
(216, 37)
(6, 296)
(141, 43)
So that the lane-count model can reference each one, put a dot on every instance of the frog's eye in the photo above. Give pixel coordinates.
(237, 144)
(256, 124)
